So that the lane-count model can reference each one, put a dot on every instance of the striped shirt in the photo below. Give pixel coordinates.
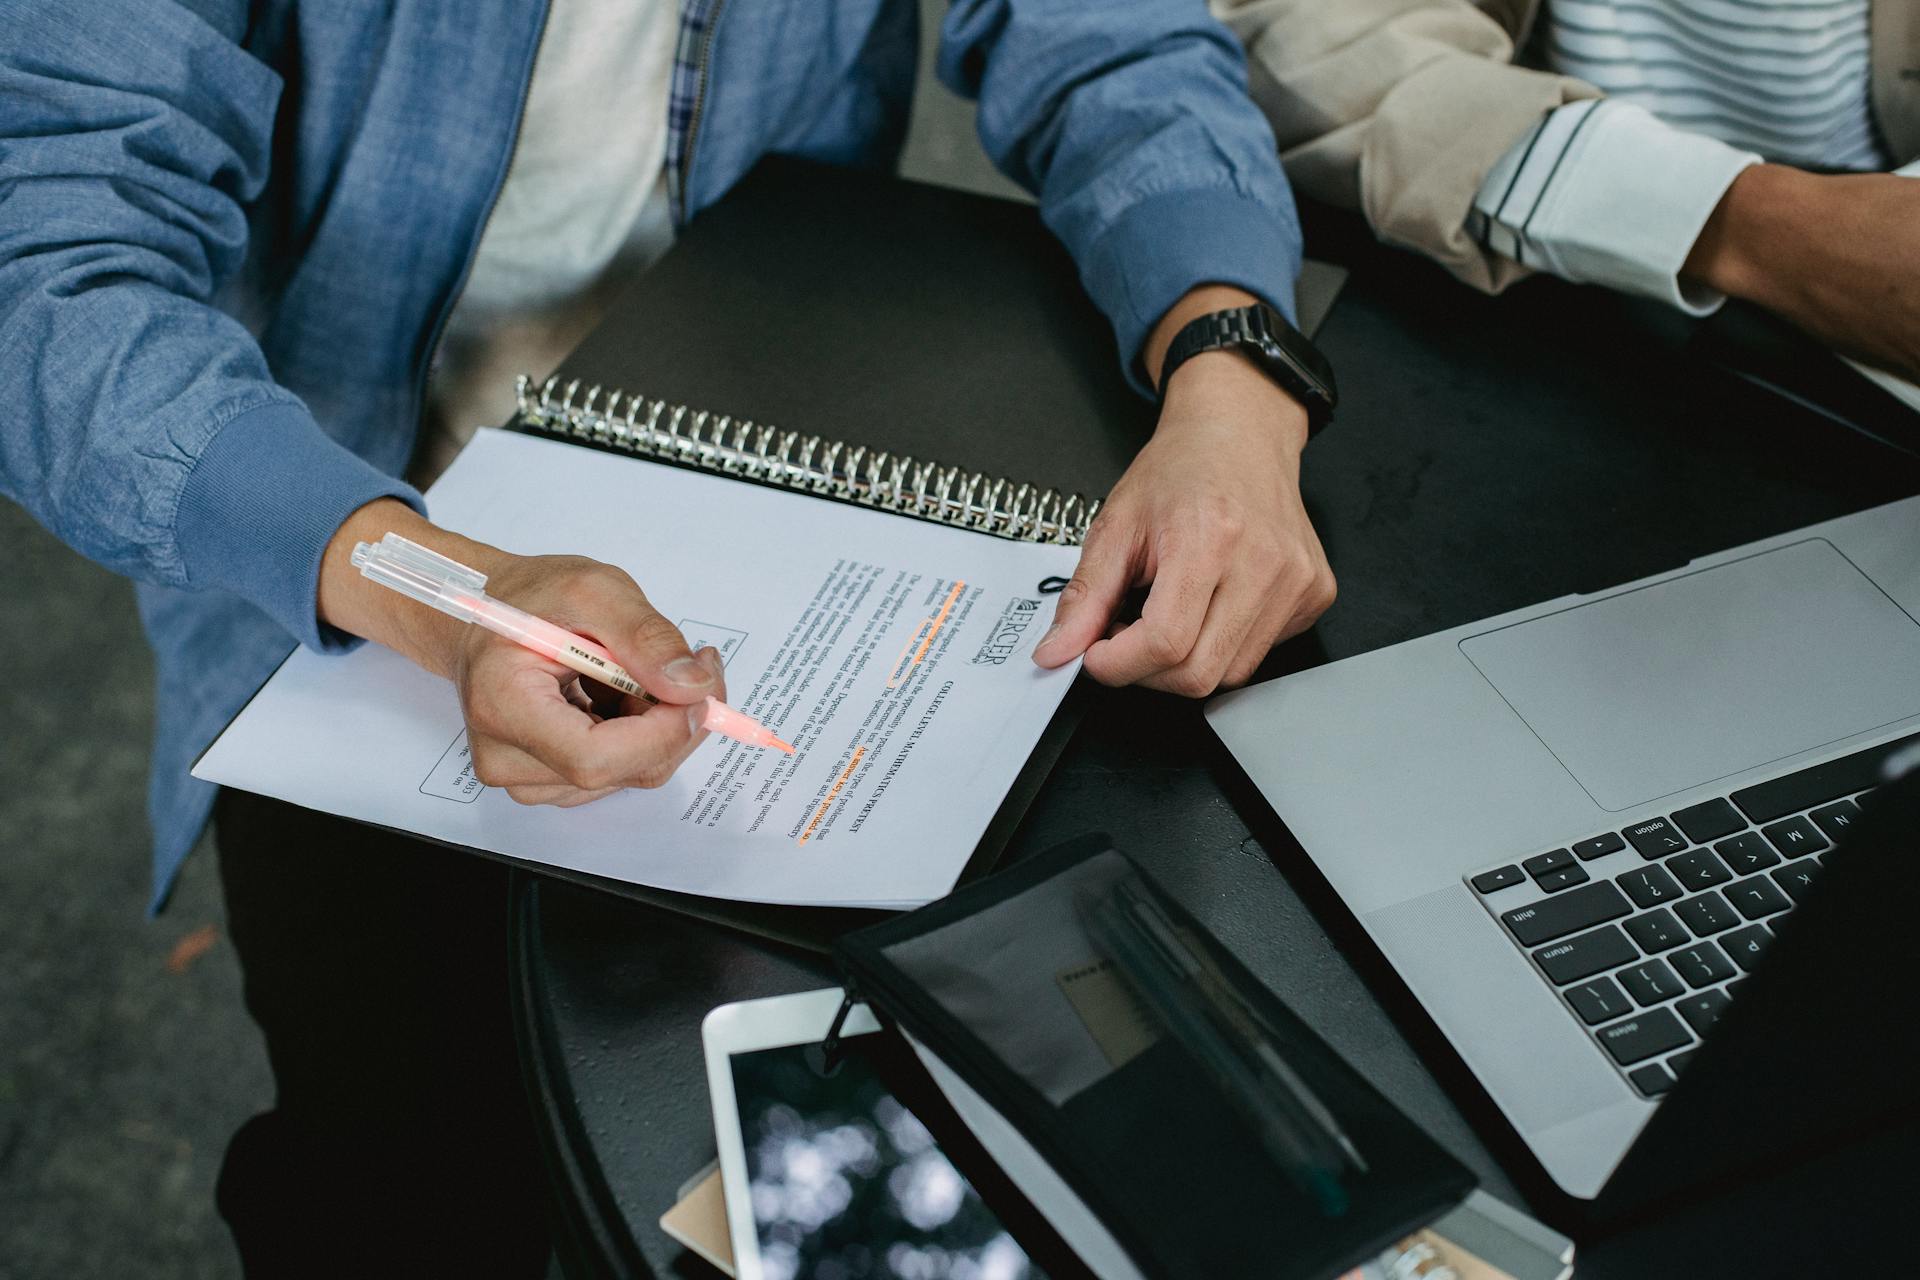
(1615, 191)
(1788, 80)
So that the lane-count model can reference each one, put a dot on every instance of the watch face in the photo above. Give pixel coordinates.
(1284, 367)
(1280, 343)
(1264, 336)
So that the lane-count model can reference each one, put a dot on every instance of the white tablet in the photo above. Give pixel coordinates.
(824, 1172)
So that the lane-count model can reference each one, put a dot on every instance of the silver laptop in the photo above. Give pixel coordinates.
(1574, 828)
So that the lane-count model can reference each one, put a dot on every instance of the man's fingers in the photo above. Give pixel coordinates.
(1108, 564)
(501, 764)
(527, 711)
(1268, 630)
(1236, 608)
(1286, 616)
(616, 612)
(561, 797)
(1168, 626)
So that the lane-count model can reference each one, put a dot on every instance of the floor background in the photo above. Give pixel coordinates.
(126, 1059)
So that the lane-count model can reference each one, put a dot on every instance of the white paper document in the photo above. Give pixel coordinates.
(895, 655)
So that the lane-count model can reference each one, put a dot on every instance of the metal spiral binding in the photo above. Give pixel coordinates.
(871, 477)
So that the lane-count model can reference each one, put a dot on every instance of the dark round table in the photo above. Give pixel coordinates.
(1488, 454)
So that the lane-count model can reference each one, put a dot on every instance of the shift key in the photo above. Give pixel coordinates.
(1566, 913)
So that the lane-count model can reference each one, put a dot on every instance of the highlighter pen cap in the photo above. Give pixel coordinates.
(423, 574)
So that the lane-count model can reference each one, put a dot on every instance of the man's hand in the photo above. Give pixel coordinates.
(1209, 515)
(1838, 255)
(535, 727)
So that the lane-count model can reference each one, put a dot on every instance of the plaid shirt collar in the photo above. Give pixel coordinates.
(697, 19)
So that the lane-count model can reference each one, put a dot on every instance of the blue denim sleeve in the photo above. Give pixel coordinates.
(1130, 120)
(143, 426)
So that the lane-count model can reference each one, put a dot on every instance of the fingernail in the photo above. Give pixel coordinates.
(689, 673)
(715, 663)
(697, 717)
(1052, 631)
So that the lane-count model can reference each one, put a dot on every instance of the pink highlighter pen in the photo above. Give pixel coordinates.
(455, 589)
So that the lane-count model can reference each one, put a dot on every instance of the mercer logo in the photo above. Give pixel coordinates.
(1008, 633)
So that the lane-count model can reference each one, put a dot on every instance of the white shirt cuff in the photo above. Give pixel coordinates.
(1601, 192)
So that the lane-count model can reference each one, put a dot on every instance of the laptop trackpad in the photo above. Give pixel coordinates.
(1666, 687)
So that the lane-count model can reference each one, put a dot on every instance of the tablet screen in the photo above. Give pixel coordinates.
(847, 1185)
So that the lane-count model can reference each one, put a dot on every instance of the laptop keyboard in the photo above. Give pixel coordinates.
(1647, 932)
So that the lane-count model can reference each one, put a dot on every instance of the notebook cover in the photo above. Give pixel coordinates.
(863, 308)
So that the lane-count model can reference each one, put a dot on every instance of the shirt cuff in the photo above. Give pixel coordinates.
(263, 500)
(1166, 245)
(1602, 192)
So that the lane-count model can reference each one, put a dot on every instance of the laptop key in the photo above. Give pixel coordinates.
(1707, 913)
(1797, 877)
(1648, 886)
(1598, 1001)
(1566, 913)
(1823, 782)
(1699, 869)
(1657, 931)
(1795, 836)
(1651, 1080)
(1499, 878)
(1747, 854)
(1747, 945)
(1678, 1062)
(1541, 863)
(1702, 1010)
(1837, 820)
(1757, 897)
(1584, 955)
(1656, 838)
(1701, 964)
(1643, 1036)
(1564, 878)
(1709, 820)
(1651, 983)
(1598, 847)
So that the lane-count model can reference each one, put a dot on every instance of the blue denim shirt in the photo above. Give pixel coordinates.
(230, 233)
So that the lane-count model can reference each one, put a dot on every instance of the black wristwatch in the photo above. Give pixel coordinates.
(1278, 349)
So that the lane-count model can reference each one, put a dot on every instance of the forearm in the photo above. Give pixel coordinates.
(1832, 253)
(1759, 224)
(357, 605)
(1130, 120)
(146, 428)
(1605, 193)
(1218, 386)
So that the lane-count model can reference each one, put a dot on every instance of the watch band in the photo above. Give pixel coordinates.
(1279, 350)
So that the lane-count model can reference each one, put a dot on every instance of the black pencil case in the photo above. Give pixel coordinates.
(1210, 1132)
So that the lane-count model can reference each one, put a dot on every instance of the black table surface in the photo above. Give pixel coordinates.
(1488, 454)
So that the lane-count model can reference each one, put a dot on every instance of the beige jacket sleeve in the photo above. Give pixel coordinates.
(1399, 108)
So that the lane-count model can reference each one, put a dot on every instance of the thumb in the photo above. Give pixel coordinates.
(655, 653)
(1088, 602)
